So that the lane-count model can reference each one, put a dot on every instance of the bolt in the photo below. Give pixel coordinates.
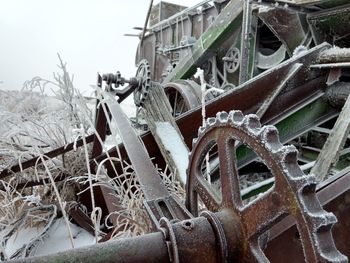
(187, 224)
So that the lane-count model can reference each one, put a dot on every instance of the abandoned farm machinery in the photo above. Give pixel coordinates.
(246, 103)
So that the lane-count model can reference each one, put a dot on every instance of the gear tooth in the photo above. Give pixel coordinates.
(236, 116)
(211, 121)
(322, 229)
(288, 153)
(201, 130)
(306, 183)
(252, 123)
(269, 136)
(309, 185)
(194, 141)
(222, 116)
(323, 220)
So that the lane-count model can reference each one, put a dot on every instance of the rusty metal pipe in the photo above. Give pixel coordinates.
(193, 240)
(150, 248)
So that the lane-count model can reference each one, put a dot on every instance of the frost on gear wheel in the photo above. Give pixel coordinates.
(232, 61)
(292, 194)
(143, 73)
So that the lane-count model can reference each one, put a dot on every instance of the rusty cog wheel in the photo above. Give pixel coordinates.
(143, 73)
(293, 192)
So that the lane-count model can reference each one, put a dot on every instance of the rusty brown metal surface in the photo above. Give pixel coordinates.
(293, 192)
(81, 219)
(101, 130)
(212, 237)
(149, 179)
(149, 248)
(287, 222)
(286, 25)
(335, 197)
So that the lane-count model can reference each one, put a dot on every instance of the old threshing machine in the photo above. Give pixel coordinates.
(246, 103)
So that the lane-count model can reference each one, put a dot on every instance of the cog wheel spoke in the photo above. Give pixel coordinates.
(211, 201)
(260, 215)
(229, 184)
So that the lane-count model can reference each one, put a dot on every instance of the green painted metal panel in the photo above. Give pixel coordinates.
(226, 23)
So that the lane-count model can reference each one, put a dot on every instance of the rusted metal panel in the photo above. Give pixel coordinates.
(159, 111)
(321, 3)
(251, 95)
(331, 26)
(286, 25)
(152, 184)
(162, 11)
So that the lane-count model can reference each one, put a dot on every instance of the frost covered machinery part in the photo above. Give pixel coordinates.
(293, 100)
(183, 95)
(232, 60)
(143, 73)
(232, 232)
(293, 192)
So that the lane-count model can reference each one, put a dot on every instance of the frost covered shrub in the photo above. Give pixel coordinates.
(40, 118)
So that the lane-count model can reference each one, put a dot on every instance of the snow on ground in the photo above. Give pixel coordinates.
(55, 240)
(58, 239)
(175, 145)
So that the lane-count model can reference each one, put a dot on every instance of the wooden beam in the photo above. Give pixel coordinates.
(335, 142)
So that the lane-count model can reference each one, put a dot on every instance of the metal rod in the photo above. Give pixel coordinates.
(149, 248)
(145, 26)
(245, 43)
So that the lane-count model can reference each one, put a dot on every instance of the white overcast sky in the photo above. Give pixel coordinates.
(88, 34)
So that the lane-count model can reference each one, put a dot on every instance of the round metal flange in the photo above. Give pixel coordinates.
(293, 192)
(183, 95)
(170, 239)
(143, 74)
(219, 234)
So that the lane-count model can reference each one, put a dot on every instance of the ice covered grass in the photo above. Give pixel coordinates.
(41, 117)
(45, 115)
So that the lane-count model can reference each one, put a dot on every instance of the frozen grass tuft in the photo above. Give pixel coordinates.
(45, 115)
